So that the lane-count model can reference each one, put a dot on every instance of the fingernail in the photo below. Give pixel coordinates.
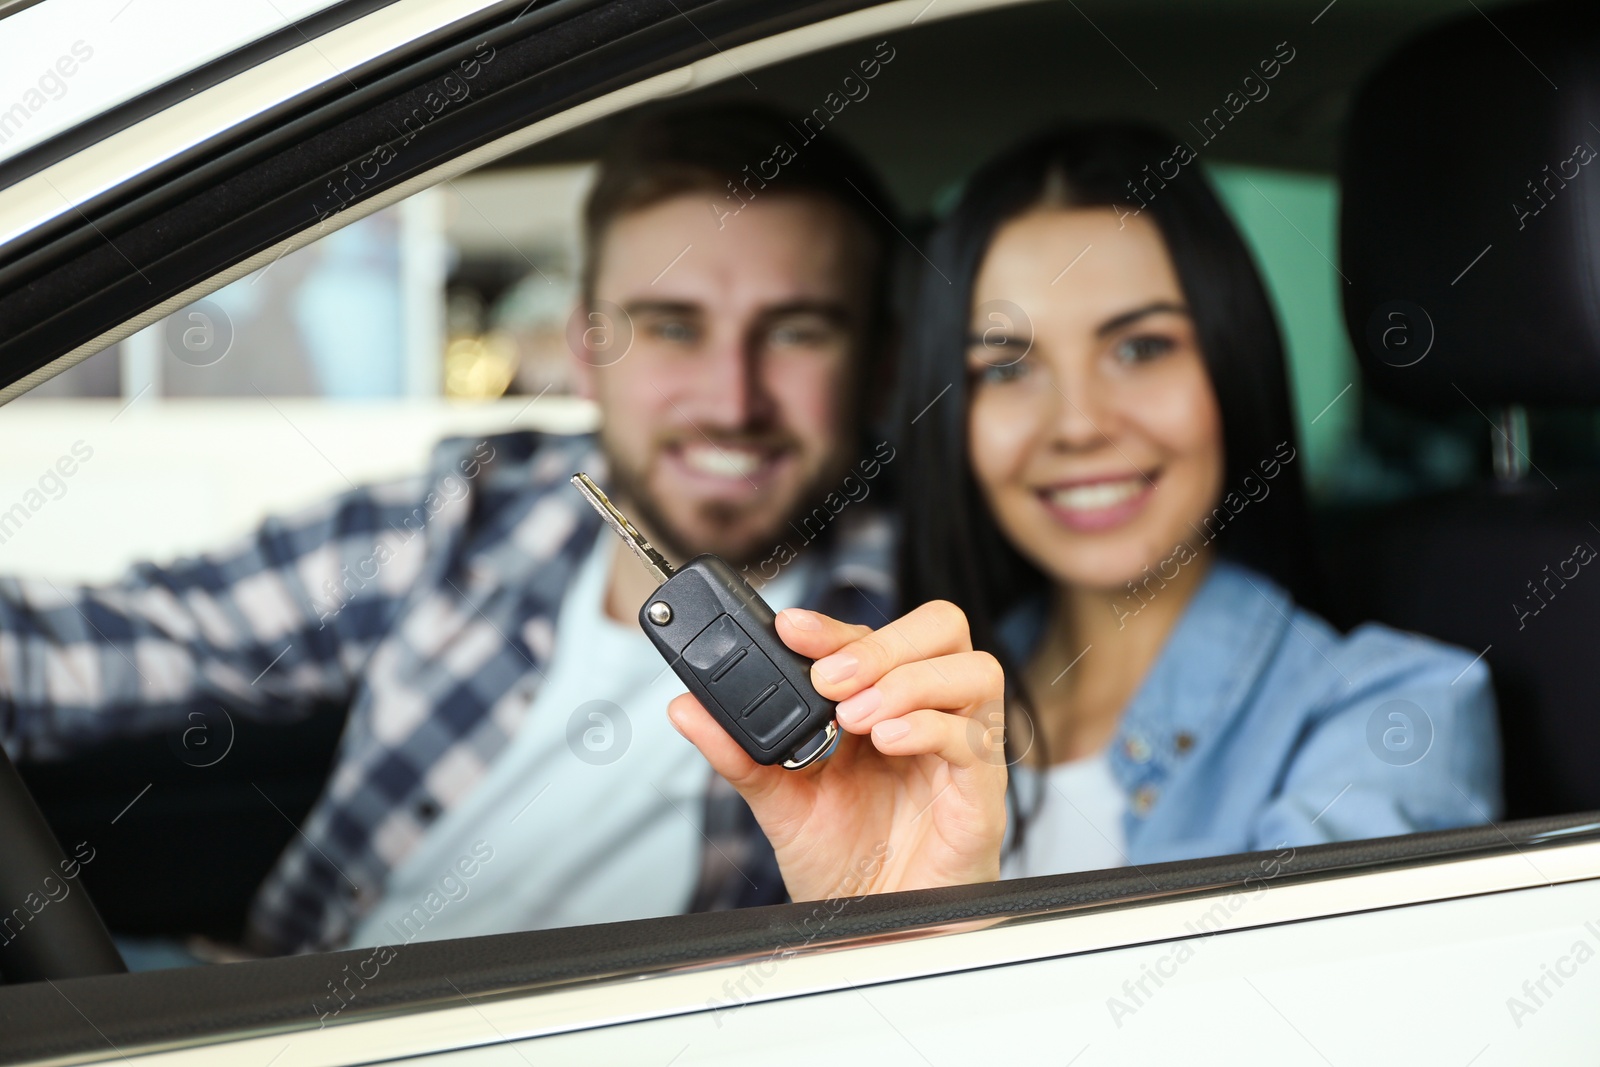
(853, 709)
(891, 729)
(801, 619)
(672, 717)
(837, 667)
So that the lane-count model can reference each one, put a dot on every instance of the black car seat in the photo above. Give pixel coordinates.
(1470, 238)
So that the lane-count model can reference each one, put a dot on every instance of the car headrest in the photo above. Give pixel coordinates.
(1470, 228)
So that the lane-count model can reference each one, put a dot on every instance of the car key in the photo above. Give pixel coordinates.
(717, 635)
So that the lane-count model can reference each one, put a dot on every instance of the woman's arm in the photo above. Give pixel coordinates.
(914, 795)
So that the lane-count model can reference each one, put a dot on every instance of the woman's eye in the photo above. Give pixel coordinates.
(793, 335)
(998, 373)
(1144, 348)
(802, 335)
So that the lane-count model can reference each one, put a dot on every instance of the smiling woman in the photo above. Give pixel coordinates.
(1115, 545)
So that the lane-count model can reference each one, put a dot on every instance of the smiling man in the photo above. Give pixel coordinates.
(508, 730)
(748, 342)
(733, 358)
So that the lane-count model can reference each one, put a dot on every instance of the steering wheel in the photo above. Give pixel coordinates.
(43, 933)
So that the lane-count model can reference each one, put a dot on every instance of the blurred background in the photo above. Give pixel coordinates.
(339, 364)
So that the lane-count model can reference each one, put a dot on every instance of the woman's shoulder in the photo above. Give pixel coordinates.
(1403, 716)
(1313, 649)
(1374, 655)
(1377, 693)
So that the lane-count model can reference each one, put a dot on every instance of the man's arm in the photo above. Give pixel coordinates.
(286, 616)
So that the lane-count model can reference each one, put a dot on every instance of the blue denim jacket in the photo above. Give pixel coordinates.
(1260, 725)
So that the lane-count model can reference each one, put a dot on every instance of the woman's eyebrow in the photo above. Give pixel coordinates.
(985, 340)
(1128, 318)
(661, 307)
(988, 335)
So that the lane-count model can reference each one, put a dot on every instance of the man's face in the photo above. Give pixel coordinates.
(735, 404)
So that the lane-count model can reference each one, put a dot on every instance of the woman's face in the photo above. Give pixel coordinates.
(1097, 448)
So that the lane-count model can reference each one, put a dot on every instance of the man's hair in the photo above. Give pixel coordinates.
(729, 153)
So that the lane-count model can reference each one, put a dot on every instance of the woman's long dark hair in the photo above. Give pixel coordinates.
(953, 548)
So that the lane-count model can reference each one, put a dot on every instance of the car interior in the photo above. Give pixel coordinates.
(1405, 187)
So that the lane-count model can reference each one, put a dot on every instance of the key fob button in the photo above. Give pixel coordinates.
(727, 663)
(757, 700)
(714, 644)
(773, 718)
(732, 666)
(746, 680)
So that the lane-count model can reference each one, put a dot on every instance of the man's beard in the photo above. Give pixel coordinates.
(720, 519)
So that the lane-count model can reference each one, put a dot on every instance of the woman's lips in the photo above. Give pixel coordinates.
(1090, 507)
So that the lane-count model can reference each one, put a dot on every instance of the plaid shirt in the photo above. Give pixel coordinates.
(426, 604)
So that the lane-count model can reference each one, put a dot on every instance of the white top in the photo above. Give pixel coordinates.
(593, 813)
(1078, 826)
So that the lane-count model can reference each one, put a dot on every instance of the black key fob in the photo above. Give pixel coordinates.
(718, 635)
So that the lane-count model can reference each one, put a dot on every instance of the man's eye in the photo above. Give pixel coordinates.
(1143, 348)
(802, 335)
(674, 331)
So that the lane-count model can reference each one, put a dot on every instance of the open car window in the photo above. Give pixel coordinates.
(278, 266)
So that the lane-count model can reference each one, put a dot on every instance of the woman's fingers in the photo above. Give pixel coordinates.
(968, 812)
(961, 683)
(937, 628)
(958, 740)
(815, 635)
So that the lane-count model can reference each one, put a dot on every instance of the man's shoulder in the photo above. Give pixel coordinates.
(520, 462)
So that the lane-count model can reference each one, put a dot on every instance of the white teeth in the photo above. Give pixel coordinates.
(724, 462)
(1096, 496)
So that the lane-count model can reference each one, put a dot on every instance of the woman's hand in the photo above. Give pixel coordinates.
(914, 795)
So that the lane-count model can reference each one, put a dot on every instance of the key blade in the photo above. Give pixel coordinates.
(654, 561)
